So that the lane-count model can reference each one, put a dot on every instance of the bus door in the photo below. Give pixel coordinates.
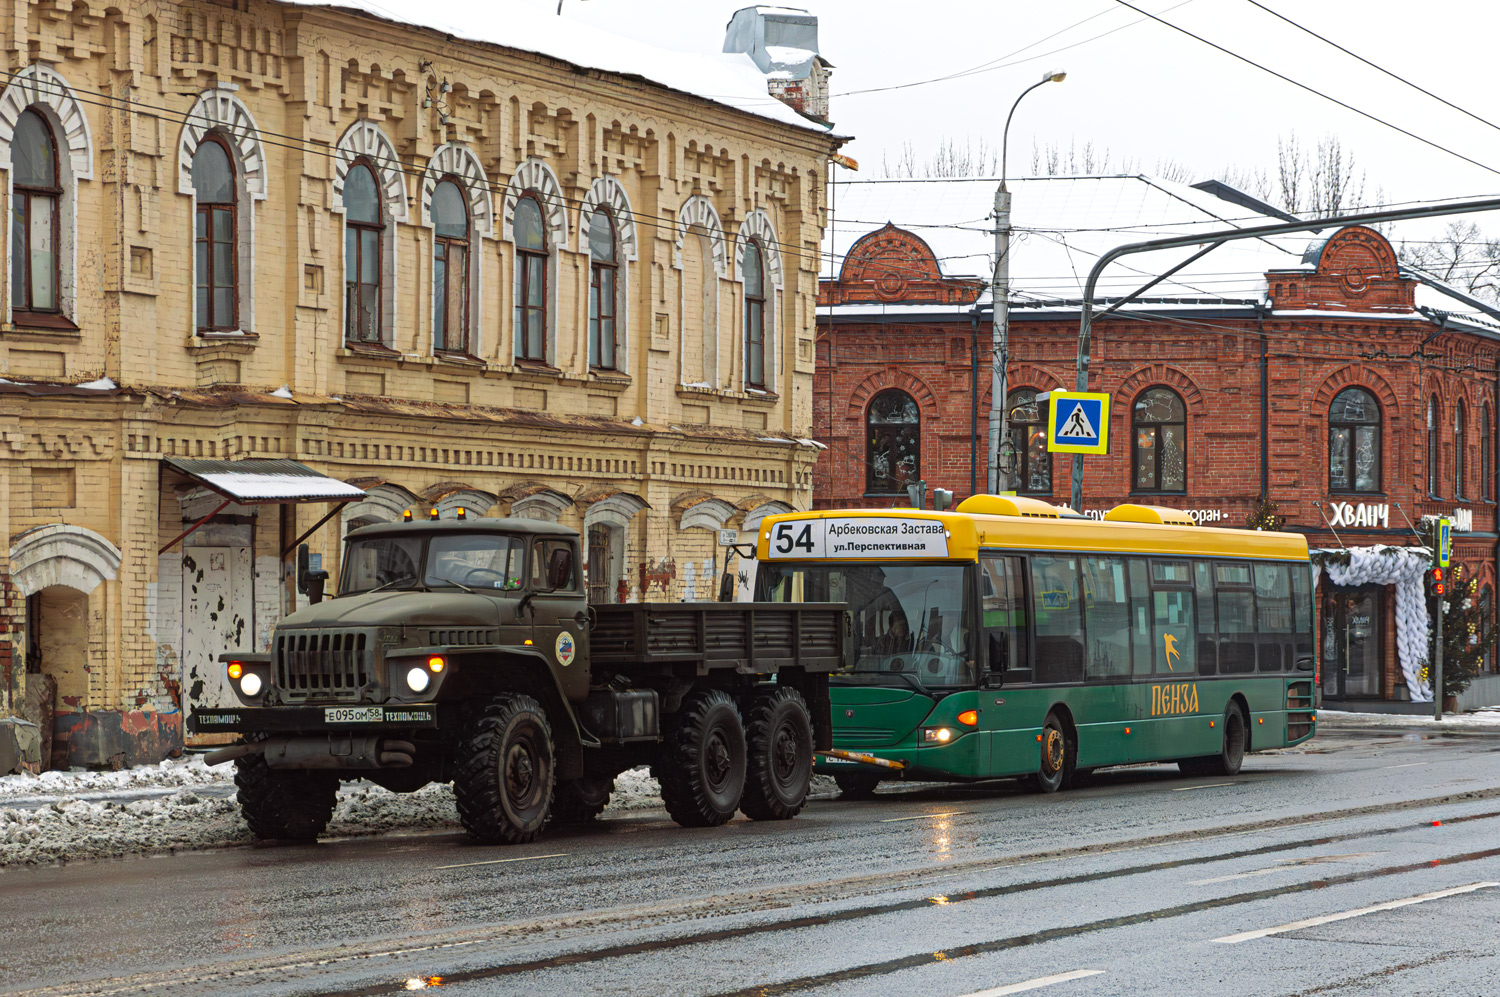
(1007, 745)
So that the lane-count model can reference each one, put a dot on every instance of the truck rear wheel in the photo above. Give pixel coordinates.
(503, 779)
(702, 765)
(779, 769)
(284, 804)
(579, 801)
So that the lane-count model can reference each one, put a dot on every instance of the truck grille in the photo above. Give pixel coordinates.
(319, 665)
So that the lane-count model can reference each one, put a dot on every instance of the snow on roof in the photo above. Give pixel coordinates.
(266, 480)
(731, 79)
(1062, 225)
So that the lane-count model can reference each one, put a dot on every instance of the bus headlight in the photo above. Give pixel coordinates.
(250, 685)
(936, 735)
(417, 679)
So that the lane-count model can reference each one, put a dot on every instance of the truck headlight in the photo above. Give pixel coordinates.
(417, 679)
(936, 735)
(250, 685)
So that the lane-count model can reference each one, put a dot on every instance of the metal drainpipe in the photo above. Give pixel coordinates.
(974, 402)
(1265, 411)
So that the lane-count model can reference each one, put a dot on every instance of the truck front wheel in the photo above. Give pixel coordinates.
(779, 771)
(284, 804)
(702, 765)
(503, 779)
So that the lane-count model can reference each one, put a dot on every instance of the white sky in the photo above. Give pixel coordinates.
(1143, 92)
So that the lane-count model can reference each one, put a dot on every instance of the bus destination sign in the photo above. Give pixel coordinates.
(858, 538)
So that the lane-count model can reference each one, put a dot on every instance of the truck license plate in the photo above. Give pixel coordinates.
(353, 714)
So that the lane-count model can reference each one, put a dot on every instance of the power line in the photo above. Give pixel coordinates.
(1372, 65)
(1312, 90)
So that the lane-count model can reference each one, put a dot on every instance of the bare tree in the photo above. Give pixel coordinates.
(1463, 256)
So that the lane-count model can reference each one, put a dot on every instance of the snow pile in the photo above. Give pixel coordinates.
(72, 829)
(1489, 717)
(188, 771)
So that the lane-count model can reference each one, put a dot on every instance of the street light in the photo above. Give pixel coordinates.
(1000, 296)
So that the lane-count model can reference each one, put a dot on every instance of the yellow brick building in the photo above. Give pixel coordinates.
(449, 272)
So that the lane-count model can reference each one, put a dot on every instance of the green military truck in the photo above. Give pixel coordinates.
(467, 651)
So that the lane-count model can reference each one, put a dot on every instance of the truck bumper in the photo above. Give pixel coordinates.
(313, 719)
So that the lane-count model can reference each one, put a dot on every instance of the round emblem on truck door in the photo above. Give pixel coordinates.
(566, 648)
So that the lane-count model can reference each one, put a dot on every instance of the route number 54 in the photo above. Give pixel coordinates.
(790, 537)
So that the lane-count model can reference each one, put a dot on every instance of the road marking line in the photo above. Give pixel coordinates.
(1313, 922)
(1037, 984)
(523, 858)
(951, 813)
(1212, 785)
(1406, 766)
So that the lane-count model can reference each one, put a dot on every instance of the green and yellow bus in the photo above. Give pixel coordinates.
(1010, 637)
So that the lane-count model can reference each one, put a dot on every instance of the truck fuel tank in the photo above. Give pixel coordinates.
(621, 715)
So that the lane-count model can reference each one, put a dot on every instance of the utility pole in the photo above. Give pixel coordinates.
(1000, 306)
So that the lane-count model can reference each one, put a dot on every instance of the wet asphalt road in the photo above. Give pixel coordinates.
(1137, 884)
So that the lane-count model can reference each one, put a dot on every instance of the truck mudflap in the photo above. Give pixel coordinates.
(307, 719)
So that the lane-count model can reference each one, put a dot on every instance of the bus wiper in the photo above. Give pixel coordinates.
(915, 683)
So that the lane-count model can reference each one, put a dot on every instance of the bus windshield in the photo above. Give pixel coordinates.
(911, 621)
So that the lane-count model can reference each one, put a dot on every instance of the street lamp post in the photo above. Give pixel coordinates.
(1000, 303)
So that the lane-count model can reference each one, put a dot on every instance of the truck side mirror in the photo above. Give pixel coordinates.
(310, 576)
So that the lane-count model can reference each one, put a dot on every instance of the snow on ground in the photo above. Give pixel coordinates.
(1489, 717)
(202, 813)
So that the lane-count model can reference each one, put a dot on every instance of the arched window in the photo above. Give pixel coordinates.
(1160, 433)
(753, 272)
(364, 232)
(893, 434)
(216, 230)
(34, 241)
(1354, 442)
(604, 273)
(1028, 434)
(1486, 457)
(1458, 450)
(450, 268)
(1432, 446)
(531, 264)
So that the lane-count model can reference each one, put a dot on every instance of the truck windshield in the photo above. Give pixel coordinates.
(911, 621)
(455, 560)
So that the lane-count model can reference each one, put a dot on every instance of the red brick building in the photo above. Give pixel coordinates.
(1319, 376)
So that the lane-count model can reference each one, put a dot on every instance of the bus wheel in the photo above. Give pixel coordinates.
(1231, 756)
(702, 764)
(579, 801)
(857, 785)
(1057, 757)
(779, 771)
(503, 780)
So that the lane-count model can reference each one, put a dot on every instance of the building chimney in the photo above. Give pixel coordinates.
(783, 42)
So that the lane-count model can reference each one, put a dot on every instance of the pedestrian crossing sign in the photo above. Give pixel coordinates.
(1078, 422)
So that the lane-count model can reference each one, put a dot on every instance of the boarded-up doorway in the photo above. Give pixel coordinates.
(217, 605)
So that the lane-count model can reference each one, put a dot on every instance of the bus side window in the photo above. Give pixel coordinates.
(1302, 625)
(1273, 612)
(1003, 601)
(1175, 637)
(1235, 598)
(1140, 616)
(1055, 597)
(1208, 646)
(1106, 603)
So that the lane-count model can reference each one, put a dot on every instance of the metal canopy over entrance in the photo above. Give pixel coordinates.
(260, 481)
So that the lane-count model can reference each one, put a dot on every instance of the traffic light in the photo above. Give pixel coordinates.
(1436, 582)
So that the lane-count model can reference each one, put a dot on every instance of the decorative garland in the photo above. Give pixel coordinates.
(1402, 567)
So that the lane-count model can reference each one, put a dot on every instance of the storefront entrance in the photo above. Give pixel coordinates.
(1352, 626)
